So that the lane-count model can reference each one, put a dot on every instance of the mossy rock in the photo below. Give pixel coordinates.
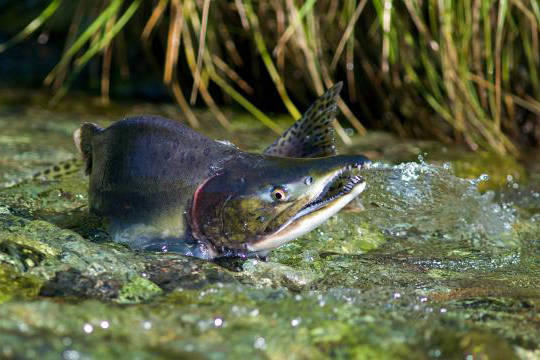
(137, 290)
(14, 285)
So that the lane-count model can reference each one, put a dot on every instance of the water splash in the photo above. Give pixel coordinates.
(420, 202)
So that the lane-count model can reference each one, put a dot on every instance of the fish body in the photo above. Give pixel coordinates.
(164, 187)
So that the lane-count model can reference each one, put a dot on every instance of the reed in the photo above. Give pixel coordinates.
(465, 71)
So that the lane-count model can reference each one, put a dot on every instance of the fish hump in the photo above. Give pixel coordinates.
(83, 141)
(313, 134)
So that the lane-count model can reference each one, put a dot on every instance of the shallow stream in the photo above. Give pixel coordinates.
(425, 265)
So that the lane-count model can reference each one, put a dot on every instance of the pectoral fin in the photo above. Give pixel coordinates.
(313, 134)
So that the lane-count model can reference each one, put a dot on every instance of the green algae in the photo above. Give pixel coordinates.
(50, 200)
(14, 286)
(137, 290)
(398, 276)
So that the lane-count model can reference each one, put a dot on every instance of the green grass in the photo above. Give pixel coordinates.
(464, 71)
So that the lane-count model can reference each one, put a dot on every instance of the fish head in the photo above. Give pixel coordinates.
(256, 206)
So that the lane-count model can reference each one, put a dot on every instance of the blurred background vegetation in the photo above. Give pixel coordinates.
(462, 71)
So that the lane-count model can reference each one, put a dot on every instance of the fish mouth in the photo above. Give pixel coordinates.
(340, 188)
(342, 183)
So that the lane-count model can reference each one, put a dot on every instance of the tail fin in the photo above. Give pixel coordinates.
(60, 169)
(53, 172)
(83, 141)
(82, 138)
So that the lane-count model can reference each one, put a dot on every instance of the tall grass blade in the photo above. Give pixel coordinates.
(259, 115)
(176, 24)
(270, 67)
(33, 26)
(501, 18)
(190, 57)
(98, 46)
(347, 34)
(107, 14)
(153, 20)
(200, 54)
(306, 7)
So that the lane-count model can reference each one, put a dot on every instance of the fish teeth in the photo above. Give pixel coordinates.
(352, 181)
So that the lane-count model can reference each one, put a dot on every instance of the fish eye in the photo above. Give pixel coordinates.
(279, 194)
(308, 180)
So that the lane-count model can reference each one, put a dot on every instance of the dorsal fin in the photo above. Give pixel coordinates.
(313, 134)
(83, 141)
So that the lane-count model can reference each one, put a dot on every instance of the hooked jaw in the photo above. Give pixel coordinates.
(337, 190)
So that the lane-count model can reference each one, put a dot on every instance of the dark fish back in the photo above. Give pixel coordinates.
(143, 163)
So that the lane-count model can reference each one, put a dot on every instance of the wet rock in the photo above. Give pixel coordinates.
(73, 283)
(14, 286)
(138, 289)
(23, 257)
(271, 274)
(172, 271)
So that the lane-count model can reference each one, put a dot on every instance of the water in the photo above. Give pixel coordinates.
(423, 266)
(424, 202)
